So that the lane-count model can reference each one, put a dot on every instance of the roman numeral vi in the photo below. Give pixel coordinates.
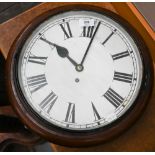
(96, 114)
(70, 116)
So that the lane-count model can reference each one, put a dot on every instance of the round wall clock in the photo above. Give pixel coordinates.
(79, 75)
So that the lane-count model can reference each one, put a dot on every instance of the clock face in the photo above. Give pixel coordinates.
(80, 70)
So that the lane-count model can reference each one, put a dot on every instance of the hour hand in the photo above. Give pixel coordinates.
(62, 51)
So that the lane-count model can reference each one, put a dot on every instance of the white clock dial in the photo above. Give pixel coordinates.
(80, 70)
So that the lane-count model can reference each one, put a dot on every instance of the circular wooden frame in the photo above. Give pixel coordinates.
(67, 137)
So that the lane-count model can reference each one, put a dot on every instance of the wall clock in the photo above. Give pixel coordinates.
(79, 75)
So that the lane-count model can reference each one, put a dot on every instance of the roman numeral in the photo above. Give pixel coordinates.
(123, 77)
(120, 55)
(110, 35)
(96, 114)
(66, 29)
(87, 31)
(70, 116)
(48, 102)
(114, 98)
(36, 82)
(37, 59)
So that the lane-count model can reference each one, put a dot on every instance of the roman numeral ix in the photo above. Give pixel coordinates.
(123, 77)
(36, 82)
(87, 31)
(70, 116)
(66, 29)
(114, 98)
(96, 114)
(37, 59)
(48, 102)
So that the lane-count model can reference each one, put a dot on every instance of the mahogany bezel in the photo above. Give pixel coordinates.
(67, 137)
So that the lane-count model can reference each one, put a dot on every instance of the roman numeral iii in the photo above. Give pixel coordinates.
(123, 77)
(114, 98)
(48, 102)
(36, 82)
(87, 31)
(66, 29)
(96, 114)
(70, 115)
(37, 59)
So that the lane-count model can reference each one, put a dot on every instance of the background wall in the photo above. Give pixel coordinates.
(147, 9)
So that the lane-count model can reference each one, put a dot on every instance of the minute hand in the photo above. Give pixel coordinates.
(84, 57)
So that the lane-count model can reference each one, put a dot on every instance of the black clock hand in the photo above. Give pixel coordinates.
(62, 51)
(89, 44)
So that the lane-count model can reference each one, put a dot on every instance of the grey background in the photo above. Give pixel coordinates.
(10, 9)
(147, 9)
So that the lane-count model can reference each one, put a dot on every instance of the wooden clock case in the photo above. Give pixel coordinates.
(43, 8)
